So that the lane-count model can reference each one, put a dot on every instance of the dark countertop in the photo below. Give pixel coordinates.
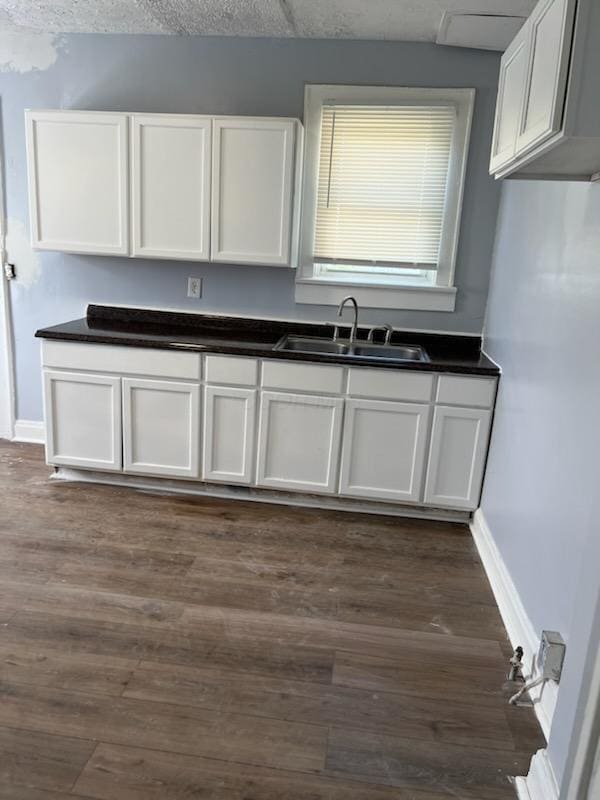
(134, 327)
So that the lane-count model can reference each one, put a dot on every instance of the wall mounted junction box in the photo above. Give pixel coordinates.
(551, 655)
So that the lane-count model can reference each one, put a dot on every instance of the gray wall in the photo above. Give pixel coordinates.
(541, 491)
(224, 76)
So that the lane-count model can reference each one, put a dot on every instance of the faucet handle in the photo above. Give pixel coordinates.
(388, 332)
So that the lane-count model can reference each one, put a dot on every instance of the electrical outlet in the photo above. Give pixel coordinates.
(194, 288)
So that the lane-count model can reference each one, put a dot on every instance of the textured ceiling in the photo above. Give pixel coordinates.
(408, 20)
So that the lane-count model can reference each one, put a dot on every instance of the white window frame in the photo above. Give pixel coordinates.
(378, 291)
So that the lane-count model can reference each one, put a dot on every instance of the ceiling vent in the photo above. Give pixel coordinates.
(482, 31)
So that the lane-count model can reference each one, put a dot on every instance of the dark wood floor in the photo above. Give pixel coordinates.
(168, 648)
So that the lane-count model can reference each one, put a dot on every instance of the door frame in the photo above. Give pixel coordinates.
(7, 387)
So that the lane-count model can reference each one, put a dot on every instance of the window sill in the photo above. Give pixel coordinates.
(413, 298)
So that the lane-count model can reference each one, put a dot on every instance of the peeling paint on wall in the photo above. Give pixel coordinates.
(20, 253)
(25, 52)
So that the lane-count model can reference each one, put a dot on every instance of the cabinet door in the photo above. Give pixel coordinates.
(299, 442)
(171, 186)
(459, 445)
(77, 163)
(549, 50)
(161, 421)
(229, 426)
(383, 449)
(252, 190)
(509, 103)
(83, 420)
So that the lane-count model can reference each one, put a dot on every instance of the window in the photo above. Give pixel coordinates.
(382, 192)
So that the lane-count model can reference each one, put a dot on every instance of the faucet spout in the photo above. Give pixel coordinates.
(354, 329)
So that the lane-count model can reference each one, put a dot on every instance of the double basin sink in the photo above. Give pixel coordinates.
(351, 350)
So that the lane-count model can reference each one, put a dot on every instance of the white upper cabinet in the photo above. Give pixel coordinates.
(170, 197)
(201, 188)
(545, 84)
(513, 69)
(78, 181)
(547, 114)
(252, 190)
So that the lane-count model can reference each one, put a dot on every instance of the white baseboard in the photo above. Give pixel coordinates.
(29, 431)
(540, 783)
(518, 625)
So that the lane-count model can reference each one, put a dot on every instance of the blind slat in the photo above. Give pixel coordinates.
(383, 172)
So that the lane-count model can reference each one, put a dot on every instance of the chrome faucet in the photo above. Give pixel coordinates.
(354, 328)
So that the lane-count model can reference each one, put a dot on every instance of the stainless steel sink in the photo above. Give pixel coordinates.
(394, 352)
(309, 344)
(384, 352)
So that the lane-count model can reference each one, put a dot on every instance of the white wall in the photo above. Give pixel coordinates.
(542, 488)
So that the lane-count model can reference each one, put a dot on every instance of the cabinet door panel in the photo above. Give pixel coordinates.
(299, 442)
(171, 186)
(83, 420)
(252, 190)
(459, 444)
(550, 46)
(229, 425)
(161, 422)
(78, 195)
(509, 103)
(384, 449)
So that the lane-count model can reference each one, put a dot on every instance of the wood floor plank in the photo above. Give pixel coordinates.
(49, 667)
(162, 726)
(376, 640)
(127, 773)
(107, 606)
(392, 608)
(175, 644)
(393, 761)
(439, 675)
(115, 562)
(38, 759)
(12, 792)
(400, 715)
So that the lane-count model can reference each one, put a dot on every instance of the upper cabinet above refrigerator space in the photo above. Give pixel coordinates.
(169, 186)
(547, 115)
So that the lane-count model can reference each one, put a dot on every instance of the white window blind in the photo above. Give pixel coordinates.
(383, 173)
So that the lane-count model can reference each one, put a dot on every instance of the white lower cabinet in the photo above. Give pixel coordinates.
(161, 427)
(459, 443)
(387, 435)
(383, 449)
(229, 432)
(299, 442)
(83, 420)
